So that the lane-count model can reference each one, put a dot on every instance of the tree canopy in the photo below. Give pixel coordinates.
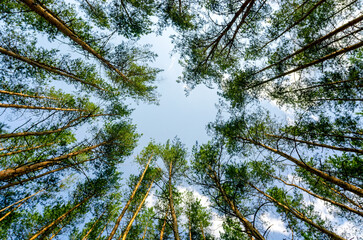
(70, 70)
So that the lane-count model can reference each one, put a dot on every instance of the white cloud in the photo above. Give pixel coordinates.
(321, 208)
(277, 225)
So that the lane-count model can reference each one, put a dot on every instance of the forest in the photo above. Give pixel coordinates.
(70, 71)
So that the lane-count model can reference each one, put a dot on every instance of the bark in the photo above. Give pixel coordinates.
(144, 235)
(316, 42)
(171, 205)
(249, 228)
(215, 43)
(320, 85)
(99, 235)
(12, 210)
(320, 197)
(202, 230)
(25, 150)
(190, 228)
(89, 231)
(129, 201)
(327, 177)
(164, 224)
(344, 149)
(56, 233)
(48, 15)
(4, 105)
(49, 68)
(18, 171)
(59, 219)
(317, 61)
(299, 215)
(137, 211)
(26, 95)
(22, 200)
(43, 174)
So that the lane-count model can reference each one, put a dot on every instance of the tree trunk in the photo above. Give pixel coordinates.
(144, 235)
(320, 197)
(164, 224)
(49, 68)
(62, 27)
(344, 149)
(12, 210)
(137, 211)
(299, 215)
(4, 105)
(18, 171)
(316, 42)
(190, 228)
(59, 219)
(22, 200)
(250, 229)
(43, 174)
(25, 150)
(27, 96)
(86, 236)
(329, 178)
(99, 235)
(129, 201)
(202, 229)
(314, 62)
(171, 205)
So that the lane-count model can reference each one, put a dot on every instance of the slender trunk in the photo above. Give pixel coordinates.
(129, 201)
(320, 85)
(164, 224)
(89, 231)
(202, 229)
(12, 210)
(314, 62)
(344, 149)
(103, 229)
(145, 230)
(215, 43)
(338, 99)
(49, 68)
(25, 150)
(329, 178)
(71, 123)
(320, 197)
(190, 228)
(4, 105)
(171, 204)
(22, 200)
(316, 42)
(137, 211)
(18, 171)
(56, 233)
(299, 215)
(249, 228)
(49, 16)
(59, 219)
(295, 23)
(44, 174)
(27, 96)
(342, 195)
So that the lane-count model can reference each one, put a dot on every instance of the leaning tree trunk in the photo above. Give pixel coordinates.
(129, 201)
(171, 205)
(299, 215)
(250, 229)
(59, 219)
(137, 211)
